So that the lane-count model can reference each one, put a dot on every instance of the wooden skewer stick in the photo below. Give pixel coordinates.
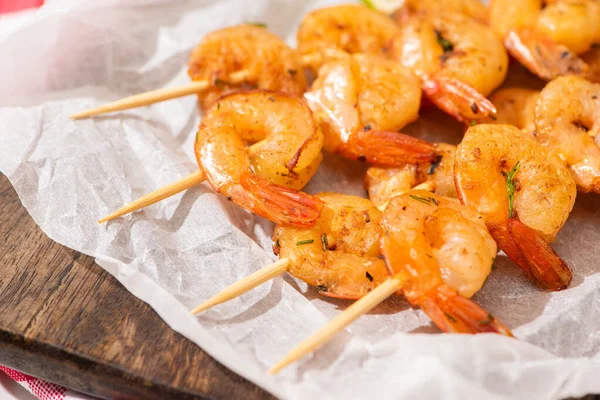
(158, 95)
(167, 191)
(360, 307)
(246, 284)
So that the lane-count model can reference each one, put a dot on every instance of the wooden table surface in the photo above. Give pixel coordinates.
(66, 320)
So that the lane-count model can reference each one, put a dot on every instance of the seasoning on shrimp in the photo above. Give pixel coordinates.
(350, 28)
(340, 252)
(459, 61)
(442, 253)
(288, 153)
(567, 120)
(360, 101)
(546, 37)
(383, 183)
(544, 194)
(265, 58)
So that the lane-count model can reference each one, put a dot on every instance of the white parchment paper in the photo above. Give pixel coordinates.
(73, 55)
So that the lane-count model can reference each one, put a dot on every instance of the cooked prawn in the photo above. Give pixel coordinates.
(383, 183)
(526, 213)
(350, 28)
(443, 253)
(516, 106)
(360, 101)
(471, 8)
(339, 254)
(545, 36)
(567, 119)
(269, 62)
(291, 150)
(459, 61)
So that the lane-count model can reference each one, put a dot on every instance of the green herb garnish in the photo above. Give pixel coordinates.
(473, 123)
(259, 24)
(489, 320)
(494, 266)
(369, 4)
(302, 242)
(445, 43)
(324, 242)
(510, 187)
(424, 200)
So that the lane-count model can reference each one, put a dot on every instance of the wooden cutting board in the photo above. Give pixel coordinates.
(66, 320)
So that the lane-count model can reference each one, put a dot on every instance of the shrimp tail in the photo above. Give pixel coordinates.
(542, 56)
(540, 260)
(456, 314)
(458, 99)
(392, 149)
(280, 204)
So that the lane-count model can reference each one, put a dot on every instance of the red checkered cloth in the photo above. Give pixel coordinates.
(41, 389)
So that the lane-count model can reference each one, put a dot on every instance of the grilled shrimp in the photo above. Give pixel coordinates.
(269, 62)
(459, 61)
(471, 8)
(516, 106)
(339, 254)
(523, 194)
(383, 183)
(547, 36)
(592, 59)
(442, 253)
(567, 119)
(360, 101)
(350, 28)
(289, 150)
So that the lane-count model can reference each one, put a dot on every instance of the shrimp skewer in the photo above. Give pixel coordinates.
(214, 67)
(438, 254)
(567, 120)
(339, 254)
(546, 38)
(285, 157)
(360, 101)
(523, 194)
(349, 104)
(459, 61)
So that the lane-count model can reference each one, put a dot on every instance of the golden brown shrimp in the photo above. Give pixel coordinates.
(291, 150)
(383, 183)
(471, 8)
(360, 101)
(523, 194)
(567, 119)
(442, 253)
(339, 254)
(545, 36)
(350, 28)
(268, 61)
(516, 106)
(459, 61)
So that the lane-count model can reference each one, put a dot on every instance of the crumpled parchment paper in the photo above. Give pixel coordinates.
(73, 55)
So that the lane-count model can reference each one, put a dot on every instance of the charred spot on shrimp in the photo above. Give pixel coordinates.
(369, 276)
(367, 128)
(474, 108)
(434, 165)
